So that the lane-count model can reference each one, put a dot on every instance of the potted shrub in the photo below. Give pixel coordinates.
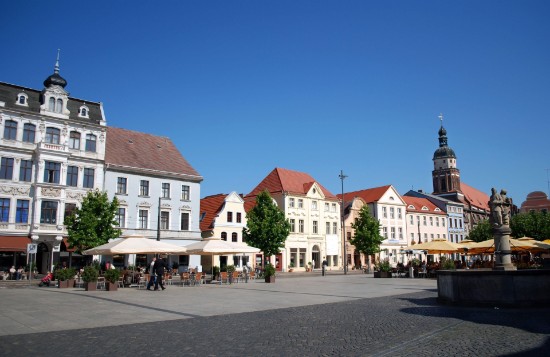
(291, 267)
(269, 273)
(65, 277)
(111, 279)
(230, 270)
(383, 269)
(309, 268)
(89, 276)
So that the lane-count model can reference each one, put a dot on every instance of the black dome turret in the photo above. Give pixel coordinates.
(443, 151)
(55, 78)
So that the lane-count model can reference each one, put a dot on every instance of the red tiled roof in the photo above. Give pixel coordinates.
(249, 203)
(369, 195)
(475, 197)
(294, 182)
(210, 206)
(133, 149)
(419, 202)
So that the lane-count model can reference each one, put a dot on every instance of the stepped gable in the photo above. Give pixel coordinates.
(132, 149)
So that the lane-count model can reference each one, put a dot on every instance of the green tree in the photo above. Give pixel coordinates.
(481, 232)
(267, 227)
(94, 223)
(533, 224)
(367, 238)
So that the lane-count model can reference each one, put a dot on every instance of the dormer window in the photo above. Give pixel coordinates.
(83, 111)
(23, 99)
(55, 105)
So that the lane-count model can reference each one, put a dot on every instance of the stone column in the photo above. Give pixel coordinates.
(503, 253)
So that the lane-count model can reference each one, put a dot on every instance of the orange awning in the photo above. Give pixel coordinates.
(14, 244)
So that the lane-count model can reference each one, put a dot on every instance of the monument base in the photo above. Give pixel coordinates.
(505, 288)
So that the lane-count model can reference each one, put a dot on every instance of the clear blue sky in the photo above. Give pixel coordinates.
(243, 87)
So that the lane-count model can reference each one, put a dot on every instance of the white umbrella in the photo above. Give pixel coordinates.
(136, 245)
(216, 246)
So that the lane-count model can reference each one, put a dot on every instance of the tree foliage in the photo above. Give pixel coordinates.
(367, 238)
(533, 224)
(481, 232)
(267, 227)
(94, 223)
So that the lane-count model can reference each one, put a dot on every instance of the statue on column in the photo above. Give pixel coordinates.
(495, 203)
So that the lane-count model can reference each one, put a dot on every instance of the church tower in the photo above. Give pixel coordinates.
(445, 175)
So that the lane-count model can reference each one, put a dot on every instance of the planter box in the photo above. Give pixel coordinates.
(91, 286)
(382, 274)
(63, 284)
(270, 279)
(111, 286)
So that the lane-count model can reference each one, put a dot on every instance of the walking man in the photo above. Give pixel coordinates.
(324, 265)
(160, 265)
(151, 274)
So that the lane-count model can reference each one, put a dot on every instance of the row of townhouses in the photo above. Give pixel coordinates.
(54, 148)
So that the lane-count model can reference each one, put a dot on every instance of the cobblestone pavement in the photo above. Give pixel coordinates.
(410, 324)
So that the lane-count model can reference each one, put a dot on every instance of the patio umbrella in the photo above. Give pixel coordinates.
(437, 246)
(135, 245)
(516, 245)
(216, 246)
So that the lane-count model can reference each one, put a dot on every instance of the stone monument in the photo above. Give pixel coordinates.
(500, 206)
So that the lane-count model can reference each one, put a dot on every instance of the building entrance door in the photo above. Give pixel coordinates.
(316, 257)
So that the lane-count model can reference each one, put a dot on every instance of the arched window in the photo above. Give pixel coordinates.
(90, 142)
(22, 99)
(52, 135)
(224, 236)
(74, 140)
(83, 111)
(233, 237)
(59, 106)
(10, 130)
(28, 133)
(51, 104)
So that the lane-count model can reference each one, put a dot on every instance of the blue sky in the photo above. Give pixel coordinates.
(242, 87)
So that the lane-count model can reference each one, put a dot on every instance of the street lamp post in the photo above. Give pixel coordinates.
(345, 258)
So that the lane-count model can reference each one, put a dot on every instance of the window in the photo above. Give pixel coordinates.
(10, 130)
(48, 214)
(121, 185)
(431, 221)
(90, 142)
(143, 218)
(6, 168)
(224, 236)
(385, 232)
(22, 212)
(412, 237)
(51, 172)
(164, 220)
(185, 192)
(333, 208)
(234, 237)
(424, 220)
(229, 216)
(334, 227)
(300, 203)
(384, 212)
(165, 190)
(25, 171)
(291, 202)
(432, 236)
(437, 221)
(301, 225)
(4, 209)
(238, 217)
(84, 111)
(460, 222)
(392, 213)
(442, 222)
(29, 131)
(52, 135)
(51, 104)
(184, 221)
(59, 105)
(327, 206)
(400, 230)
(22, 99)
(412, 220)
(314, 205)
(425, 237)
(327, 227)
(392, 232)
(348, 235)
(144, 188)
(69, 209)
(315, 227)
(74, 140)
(120, 217)
(292, 225)
(88, 178)
(72, 176)
(399, 213)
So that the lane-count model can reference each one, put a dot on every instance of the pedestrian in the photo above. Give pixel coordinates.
(151, 273)
(160, 265)
(324, 265)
